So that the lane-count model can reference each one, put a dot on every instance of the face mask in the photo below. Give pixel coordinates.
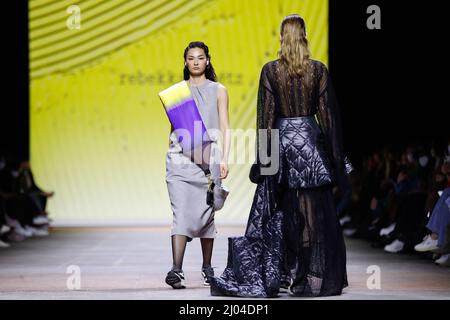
(410, 157)
(423, 160)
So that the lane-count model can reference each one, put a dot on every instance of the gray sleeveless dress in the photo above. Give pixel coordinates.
(186, 182)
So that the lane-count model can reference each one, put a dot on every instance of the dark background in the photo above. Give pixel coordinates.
(389, 82)
(14, 114)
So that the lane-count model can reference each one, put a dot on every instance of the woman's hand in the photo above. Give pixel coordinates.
(47, 194)
(223, 170)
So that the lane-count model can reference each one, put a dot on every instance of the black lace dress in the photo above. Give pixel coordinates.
(293, 229)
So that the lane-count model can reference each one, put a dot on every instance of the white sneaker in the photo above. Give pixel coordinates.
(39, 220)
(349, 232)
(395, 246)
(427, 244)
(23, 231)
(386, 231)
(4, 244)
(344, 220)
(40, 232)
(4, 229)
(444, 260)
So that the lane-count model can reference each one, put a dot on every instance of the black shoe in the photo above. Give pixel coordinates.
(207, 274)
(175, 279)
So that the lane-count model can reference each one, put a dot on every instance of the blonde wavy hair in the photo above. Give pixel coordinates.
(294, 51)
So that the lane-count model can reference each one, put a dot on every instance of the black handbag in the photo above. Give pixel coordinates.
(255, 173)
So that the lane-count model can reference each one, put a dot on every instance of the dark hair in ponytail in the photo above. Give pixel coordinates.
(209, 72)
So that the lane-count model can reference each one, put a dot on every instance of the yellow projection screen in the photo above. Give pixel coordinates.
(99, 134)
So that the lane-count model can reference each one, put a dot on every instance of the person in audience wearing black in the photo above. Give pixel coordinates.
(20, 210)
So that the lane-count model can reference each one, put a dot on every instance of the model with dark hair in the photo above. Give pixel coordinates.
(293, 238)
(186, 180)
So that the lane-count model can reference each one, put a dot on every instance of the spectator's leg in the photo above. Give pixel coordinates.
(440, 218)
(413, 218)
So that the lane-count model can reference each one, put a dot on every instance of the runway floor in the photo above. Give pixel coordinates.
(131, 263)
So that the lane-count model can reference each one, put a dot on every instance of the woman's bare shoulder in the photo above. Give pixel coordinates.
(221, 87)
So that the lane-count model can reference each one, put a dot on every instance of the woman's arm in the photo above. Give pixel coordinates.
(265, 115)
(224, 123)
(330, 121)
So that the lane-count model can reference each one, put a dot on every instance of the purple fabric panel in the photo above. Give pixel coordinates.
(184, 116)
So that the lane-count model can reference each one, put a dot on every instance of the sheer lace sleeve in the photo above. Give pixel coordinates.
(265, 109)
(330, 122)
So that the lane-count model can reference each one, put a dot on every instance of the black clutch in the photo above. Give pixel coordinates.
(255, 174)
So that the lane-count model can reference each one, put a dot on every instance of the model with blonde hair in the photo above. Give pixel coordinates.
(293, 239)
